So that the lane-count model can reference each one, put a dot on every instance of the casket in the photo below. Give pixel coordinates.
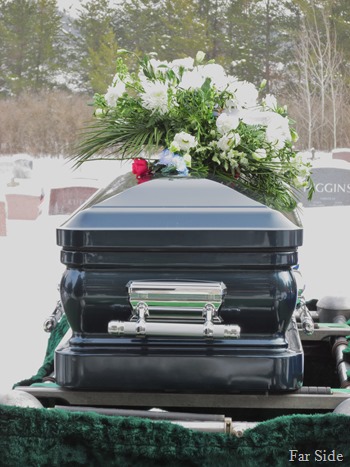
(179, 284)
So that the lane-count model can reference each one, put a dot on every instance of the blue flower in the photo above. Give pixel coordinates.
(168, 158)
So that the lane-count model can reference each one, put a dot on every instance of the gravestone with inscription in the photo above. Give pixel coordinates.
(332, 187)
(67, 199)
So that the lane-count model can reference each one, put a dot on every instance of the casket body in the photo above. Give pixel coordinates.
(179, 284)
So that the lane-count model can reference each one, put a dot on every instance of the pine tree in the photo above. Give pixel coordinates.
(95, 45)
(102, 62)
(29, 37)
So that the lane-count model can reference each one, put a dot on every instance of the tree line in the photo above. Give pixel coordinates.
(300, 48)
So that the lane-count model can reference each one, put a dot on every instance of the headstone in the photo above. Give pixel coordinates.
(22, 206)
(332, 187)
(2, 219)
(66, 200)
(341, 153)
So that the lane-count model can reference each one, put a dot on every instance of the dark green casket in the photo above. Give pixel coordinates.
(179, 284)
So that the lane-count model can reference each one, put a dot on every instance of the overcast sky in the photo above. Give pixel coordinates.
(73, 5)
(69, 5)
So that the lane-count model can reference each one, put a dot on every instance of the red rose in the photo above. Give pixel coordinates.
(140, 167)
(141, 170)
(144, 178)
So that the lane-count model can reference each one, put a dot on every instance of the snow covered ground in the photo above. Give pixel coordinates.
(31, 270)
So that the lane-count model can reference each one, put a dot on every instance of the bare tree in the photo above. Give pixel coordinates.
(320, 86)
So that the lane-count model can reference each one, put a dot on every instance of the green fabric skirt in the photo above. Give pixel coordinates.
(50, 437)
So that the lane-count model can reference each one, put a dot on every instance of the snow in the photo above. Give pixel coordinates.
(30, 264)
(31, 269)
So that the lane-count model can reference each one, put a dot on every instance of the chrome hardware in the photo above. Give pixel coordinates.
(51, 322)
(184, 296)
(178, 300)
(307, 323)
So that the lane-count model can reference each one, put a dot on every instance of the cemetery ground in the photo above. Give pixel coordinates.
(30, 259)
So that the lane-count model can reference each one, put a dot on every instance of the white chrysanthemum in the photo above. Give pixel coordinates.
(191, 80)
(184, 141)
(155, 96)
(113, 93)
(227, 122)
(277, 131)
(259, 154)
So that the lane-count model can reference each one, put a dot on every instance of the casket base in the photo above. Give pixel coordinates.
(222, 367)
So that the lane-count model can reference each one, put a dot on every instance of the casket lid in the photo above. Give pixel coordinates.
(178, 212)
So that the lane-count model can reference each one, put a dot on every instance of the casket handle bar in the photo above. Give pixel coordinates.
(175, 309)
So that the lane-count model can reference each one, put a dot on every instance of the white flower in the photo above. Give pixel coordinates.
(227, 122)
(270, 101)
(187, 63)
(174, 147)
(184, 141)
(250, 116)
(217, 75)
(224, 143)
(228, 141)
(259, 154)
(158, 65)
(200, 56)
(191, 80)
(277, 131)
(155, 96)
(113, 93)
(253, 116)
(245, 94)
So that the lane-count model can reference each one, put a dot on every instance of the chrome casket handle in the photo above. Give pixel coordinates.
(175, 309)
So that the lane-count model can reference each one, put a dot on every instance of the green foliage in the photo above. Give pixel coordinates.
(100, 62)
(197, 119)
(29, 44)
(95, 45)
(253, 39)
